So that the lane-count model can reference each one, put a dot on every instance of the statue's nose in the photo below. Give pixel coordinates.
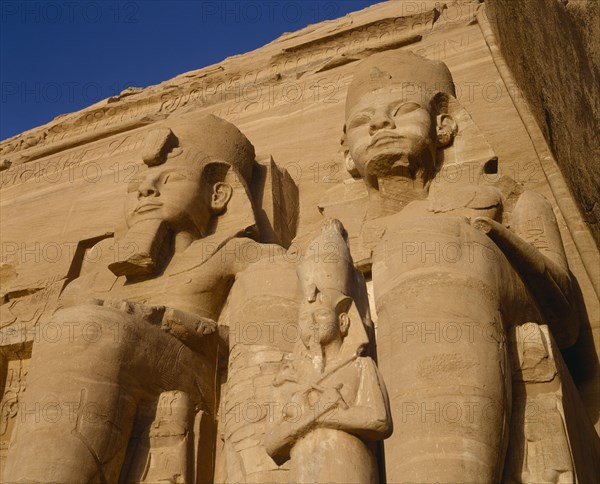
(148, 188)
(381, 120)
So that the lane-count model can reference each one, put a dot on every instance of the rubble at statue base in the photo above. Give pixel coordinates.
(200, 283)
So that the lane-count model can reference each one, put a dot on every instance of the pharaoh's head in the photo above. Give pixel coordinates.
(190, 165)
(396, 116)
(325, 320)
(183, 180)
(327, 277)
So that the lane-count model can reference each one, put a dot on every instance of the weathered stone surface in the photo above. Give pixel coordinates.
(152, 300)
(551, 438)
(561, 83)
(330, 399)
(404, 131)
(158, 330)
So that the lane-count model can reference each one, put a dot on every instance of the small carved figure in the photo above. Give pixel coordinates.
(333, 400)
(164, 458)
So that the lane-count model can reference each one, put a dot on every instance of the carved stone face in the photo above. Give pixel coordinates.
(325, 324)
(320, 322)
(172, 193)
(391, 133)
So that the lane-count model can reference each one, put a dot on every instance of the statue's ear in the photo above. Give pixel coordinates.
(344, 320)
(342, 308)
(350, 165)
(220, 197)
(348, 161)
(446, 129)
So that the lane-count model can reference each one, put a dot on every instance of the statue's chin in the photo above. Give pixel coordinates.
(143, 216)
(391, 164)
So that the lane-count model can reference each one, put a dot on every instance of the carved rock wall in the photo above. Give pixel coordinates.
(553, 50)
(64, 184)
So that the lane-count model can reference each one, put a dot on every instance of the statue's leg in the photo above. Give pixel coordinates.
(83, 386)
(442, 355)
(443, 294)
(76, 416)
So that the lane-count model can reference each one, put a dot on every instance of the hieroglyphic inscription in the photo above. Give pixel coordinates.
(277, 83)
(13, 373)
(70, 165)
(536, 235)
(20, 314)
(293, 61)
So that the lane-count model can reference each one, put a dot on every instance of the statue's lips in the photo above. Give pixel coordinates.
(147, 206)
(383, 138)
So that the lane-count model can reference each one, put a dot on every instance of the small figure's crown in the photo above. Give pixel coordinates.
(327, 264)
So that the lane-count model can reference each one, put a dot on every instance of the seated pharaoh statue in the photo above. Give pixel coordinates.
(152, 302)
(445, 254)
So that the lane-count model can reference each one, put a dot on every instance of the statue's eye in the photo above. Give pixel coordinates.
(172, 177)
(405, 108)
(359, 120)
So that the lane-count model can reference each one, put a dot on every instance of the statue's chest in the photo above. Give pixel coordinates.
(345, 375)
(429, 259)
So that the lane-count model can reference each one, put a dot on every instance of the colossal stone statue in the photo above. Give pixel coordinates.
(145, 363)
(454, 266)
(186, 339)
(332, 399)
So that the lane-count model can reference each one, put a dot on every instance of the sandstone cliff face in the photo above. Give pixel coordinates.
(553, 49)
(64, 185)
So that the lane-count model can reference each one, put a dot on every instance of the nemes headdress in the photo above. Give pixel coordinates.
(399, 70)
(192, 141)
(216, 138)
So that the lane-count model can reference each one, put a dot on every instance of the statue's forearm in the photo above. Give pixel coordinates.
(361, 421)
(550, 284)
(283, 433)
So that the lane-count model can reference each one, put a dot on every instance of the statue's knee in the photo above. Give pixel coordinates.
(86, 327)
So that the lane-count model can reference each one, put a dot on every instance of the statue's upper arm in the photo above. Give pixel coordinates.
(534, 221)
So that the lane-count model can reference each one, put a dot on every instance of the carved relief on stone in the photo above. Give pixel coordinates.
(14, 364)
(332, 400)
(551, 437)
(165, 452)
(262, 316)
(149, 308)
(189, 311)
(539, 441)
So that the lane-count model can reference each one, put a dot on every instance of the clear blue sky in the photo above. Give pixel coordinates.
(60, 56)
